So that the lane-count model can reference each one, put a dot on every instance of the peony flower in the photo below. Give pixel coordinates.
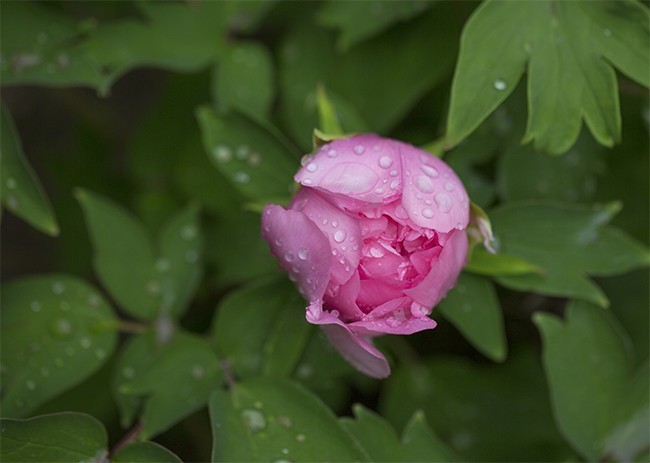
(373, 239)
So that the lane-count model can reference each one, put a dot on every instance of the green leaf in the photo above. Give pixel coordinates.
(588, 365)
(20, 189)
(264, 419)
(56, 331)
(482, 411)
(563, 46)
(261, 329)
(144, 452)
(359, 21)
(524, 173)
(35, 43)
(472, 307)
(147, 368)
(257, 162)
(568, 243)
(330, 126)
(380, 440)
(486, 263)
(244, 79)
(159, 282)
(61, 437)
(380, 79)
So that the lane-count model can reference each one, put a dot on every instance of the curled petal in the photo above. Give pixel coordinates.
(358, 350)
(358, 171)
(341, 230)
(390, 325)
(444, 271)
(300, 247)
(433, 196)
(343, 298)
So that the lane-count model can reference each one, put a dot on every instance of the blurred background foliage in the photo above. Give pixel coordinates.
(140, 138)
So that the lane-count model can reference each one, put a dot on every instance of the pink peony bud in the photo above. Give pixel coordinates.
(373, 240)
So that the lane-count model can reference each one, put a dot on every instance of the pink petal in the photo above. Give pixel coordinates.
(444, 271)
(341, 230)
(374, 293)
(300, 248)
(359, 170)
(391, 325)
(433, 196)
(358, 350)
(343, 298)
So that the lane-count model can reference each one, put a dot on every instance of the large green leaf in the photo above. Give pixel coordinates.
(20, 189)
(472, 307)
(379, 439)
(566, 48)
(56, 331)
(358, 21)
(381, 79)
(61, 437)
(568, 243)
(259, 164)
(497, 412)
(261, 329)
(147, 368)
(244, 79)
(587, 362)
(148, 282)
(35, 42)
(264, 419)
(144, 452)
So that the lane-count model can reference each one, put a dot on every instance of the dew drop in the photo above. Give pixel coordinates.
(394, 184)
(443, 201)
(377, 251)
(324, 222)
(332, 154)
(301, 438)
(449, 186)
(100, 353)
(285, 422)
(241, 177)
(128, 373)
(430, 171)
(285, 451)
(11, 183)
(339, 236)
(58, 287)
(253, 419)
(242, 152)
(12, 202)
(393, 173)
(499, 85)
(222, 153)
(35, 306)
(198, 372)
(392, 322)
(188, 232)
(307, 181)
(85, 343)
(61, 327)
(428, 213)
(379, 191)
(335, 313)
(278, 242)
(335, 223)
(312, 167)
(162, 265)
(288, 256)
(385, 162)
(191, 257)
(303, 254)
(359, 149)
(424, 184)
(607, 32)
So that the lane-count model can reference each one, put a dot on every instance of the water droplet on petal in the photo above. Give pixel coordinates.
(394, 184)
(385, 162)
(449, 186)
(428, 213)
(308, 181)
(278, 242)
(379, 191)
(253, 419)
(424, 184)
(339, 236)
(359, 149)
(335, 223)
(332, 153)
(430, 171)
(303, 254)
(288, 256)
(443, 201)
(499, 85)
(312, 167)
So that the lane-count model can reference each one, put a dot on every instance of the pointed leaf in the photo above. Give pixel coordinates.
(144, 452)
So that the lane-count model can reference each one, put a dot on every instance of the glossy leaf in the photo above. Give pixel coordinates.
(264, 419)
(61, 437)
(56, 331)
(482, 411)
(486, 263)
(258, 163)
(587, 363)
(244, 79)
(566, 49)
(144, 452)
(568, 243)
(149, 365)
(20, 189)
(261, 329)
(379, 439)
(159, 281)
(35, 42)
(473, 308)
